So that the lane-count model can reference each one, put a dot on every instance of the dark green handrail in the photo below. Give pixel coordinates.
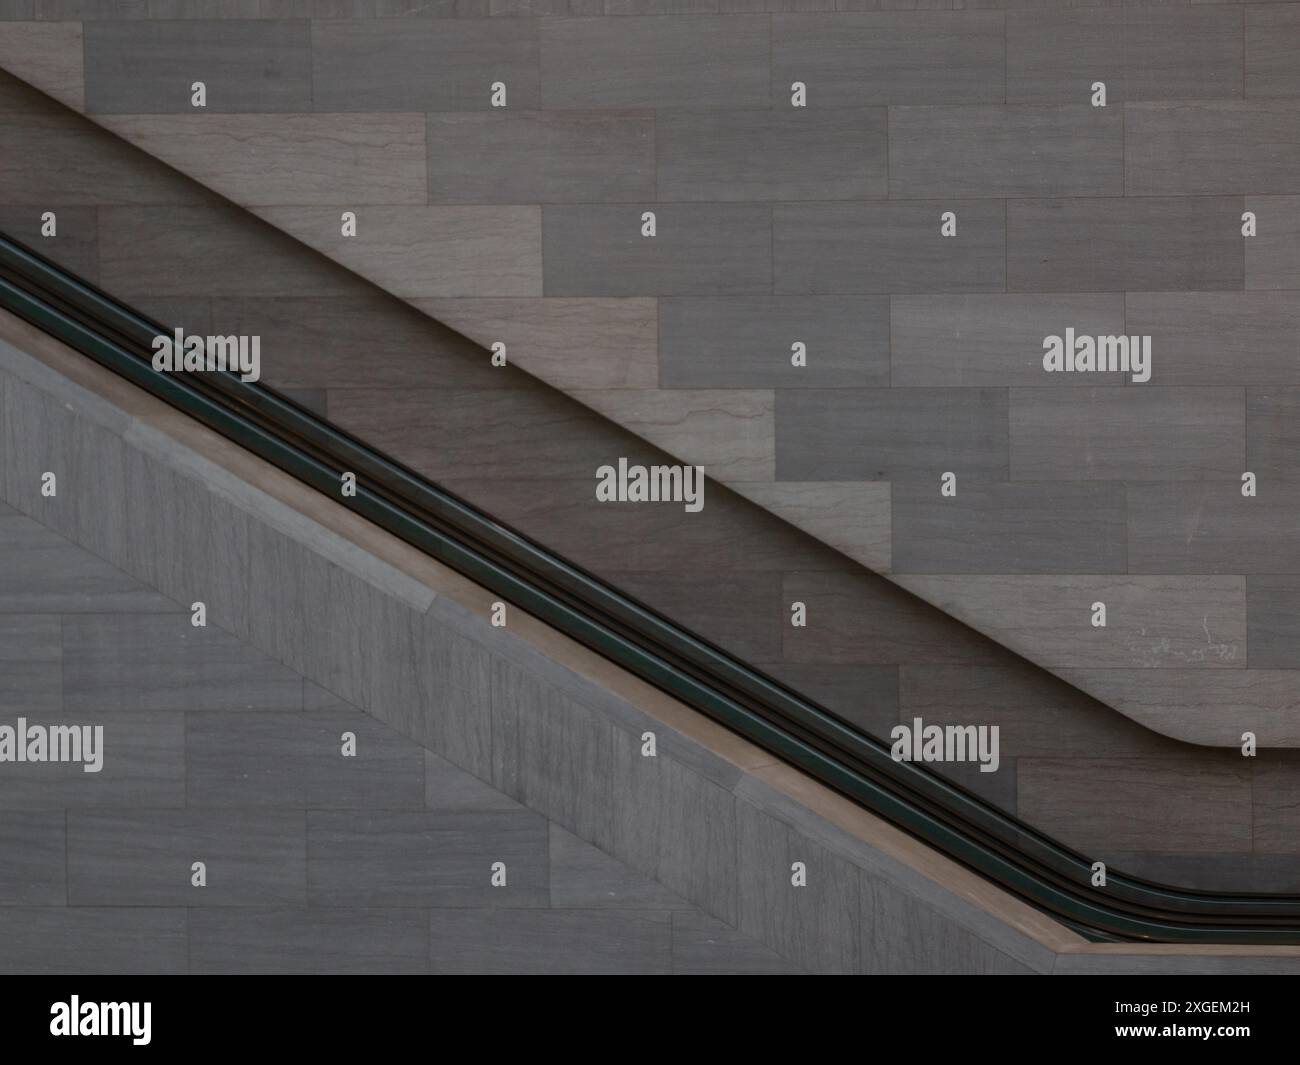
(1018, 857)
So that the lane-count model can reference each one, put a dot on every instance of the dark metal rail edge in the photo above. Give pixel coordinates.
(1024, 861)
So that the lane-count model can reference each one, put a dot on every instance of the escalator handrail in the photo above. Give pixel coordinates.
(1015, 855)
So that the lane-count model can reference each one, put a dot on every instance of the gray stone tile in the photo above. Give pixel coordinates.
(1272, 67)
(1141, 53)
(347, 620)
(313, 941)
(44, 436)
(75, 163)
(1273, 620)
(1270, 453)
(739, 342)
(33, 858)
(889, 57)
(889, 434)
(74, 246)
(675, 826)
(1212, 528)
(417, 65)
(1005, 151)
(1124, 244)
(859, 618)
(411, 8)
(278, 572)
(550, 942)
(449, 788)
(272, 159)
(1099, 805)
(630, 721)
(142, 764)
(990, 340)
(276, 759)
(1205, 148)
(527, 8)
(1171, 964)
(564, 760)
(314, 697)
(511, 686)
(541, 156)
(625, 716)
(186, 9)
(793, 154)
(1142, 432)
(705, 946)
(1275, 795)
(660, 7)
(187, 540)
(31, 663)
(91, 941)
(584, 877)
(161, 662)
(91, 9)
(655, 62)
(1158, 621)
(145, 857)
(598, 250)
(149, 67)
(37, 391)
(817, 926)
(1219, 338)
(145, 538)
(425, 859)
(425, 8)
(1273, 254)
(1003, 527)
(903, 936)
(888, 247)
(207, 252)
(384, 635)
(456, 697)
(44, 572)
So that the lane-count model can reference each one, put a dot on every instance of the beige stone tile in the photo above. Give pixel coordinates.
(730, 433)
(261, 160)
(852, 517)
(568, 343)
(1197, 622)
(428, 251)
(48, 55)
